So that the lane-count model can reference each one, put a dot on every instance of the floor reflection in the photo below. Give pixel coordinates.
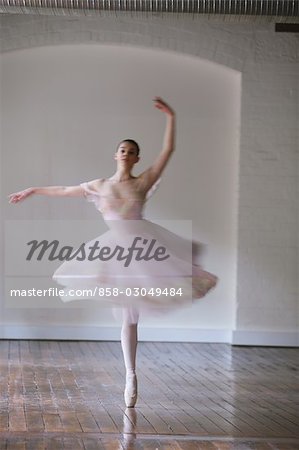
(129, 429)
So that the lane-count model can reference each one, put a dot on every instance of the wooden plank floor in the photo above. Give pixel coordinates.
(69, 395)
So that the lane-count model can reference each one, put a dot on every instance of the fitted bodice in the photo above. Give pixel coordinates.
(119, 200)
(120, 209)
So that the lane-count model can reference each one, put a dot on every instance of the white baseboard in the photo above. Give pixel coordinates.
(266, 338)
(94, 333)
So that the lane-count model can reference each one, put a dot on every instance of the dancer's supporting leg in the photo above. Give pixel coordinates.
(129, 348)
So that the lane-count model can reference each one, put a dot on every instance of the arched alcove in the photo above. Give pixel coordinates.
(64, 110)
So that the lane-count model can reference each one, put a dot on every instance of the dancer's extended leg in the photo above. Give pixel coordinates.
(129, 348)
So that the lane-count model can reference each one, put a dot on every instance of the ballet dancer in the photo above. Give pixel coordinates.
(121, 198)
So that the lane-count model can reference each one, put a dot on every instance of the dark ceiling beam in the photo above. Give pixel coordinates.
(277, 9)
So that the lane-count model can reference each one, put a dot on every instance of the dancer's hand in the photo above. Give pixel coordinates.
(163, 106)
(21, 195)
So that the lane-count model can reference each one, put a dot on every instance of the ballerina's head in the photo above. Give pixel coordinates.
(127, 152)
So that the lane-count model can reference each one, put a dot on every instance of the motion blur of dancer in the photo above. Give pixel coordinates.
(121, 199)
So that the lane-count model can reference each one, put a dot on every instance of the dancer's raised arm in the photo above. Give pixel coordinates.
(154, 172)
(51, 191)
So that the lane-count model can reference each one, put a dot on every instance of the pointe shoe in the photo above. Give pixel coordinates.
(130, 393)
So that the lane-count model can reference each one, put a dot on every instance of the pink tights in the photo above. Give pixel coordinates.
(129, 339)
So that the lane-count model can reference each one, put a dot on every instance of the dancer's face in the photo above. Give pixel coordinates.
(126, 154)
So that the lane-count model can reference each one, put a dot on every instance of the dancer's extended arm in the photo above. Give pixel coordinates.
(154, 172)
(51, 191)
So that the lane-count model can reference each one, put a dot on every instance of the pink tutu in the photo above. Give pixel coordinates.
(136, 262)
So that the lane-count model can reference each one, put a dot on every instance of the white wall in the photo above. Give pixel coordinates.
(266, 308)
(71, 105)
